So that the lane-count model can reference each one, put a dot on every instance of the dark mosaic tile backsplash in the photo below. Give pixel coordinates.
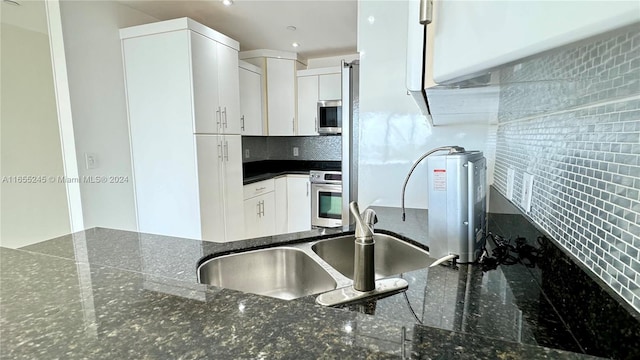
(572, 120)
(311, 148)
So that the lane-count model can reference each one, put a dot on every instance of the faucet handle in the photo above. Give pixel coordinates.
(364, 227)
(370, 217)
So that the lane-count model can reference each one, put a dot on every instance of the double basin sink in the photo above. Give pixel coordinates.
(294, 271)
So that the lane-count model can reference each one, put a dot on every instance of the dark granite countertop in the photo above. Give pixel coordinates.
(268, 169)
(105, 293)
(271, 175)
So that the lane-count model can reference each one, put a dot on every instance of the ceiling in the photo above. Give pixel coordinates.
(323, 27)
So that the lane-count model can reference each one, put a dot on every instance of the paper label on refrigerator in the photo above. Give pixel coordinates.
(440, 180)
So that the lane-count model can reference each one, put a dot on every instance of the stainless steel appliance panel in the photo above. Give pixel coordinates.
(330, 117)
(326, 198)
(457, 204)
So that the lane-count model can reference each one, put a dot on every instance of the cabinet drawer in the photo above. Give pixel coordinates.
(258, 188)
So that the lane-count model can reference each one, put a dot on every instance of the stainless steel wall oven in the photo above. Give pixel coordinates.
(326, 198)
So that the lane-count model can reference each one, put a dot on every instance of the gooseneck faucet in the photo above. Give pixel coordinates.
(364, 267)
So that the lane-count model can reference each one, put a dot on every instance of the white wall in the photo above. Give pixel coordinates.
(96, 84)
(393, 132)
(30, 139)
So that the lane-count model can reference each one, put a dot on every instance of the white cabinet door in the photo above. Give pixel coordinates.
(216, 95)
(298, 203)
(228, 85)
(307, 105)
(281, 205)
(166, 185)
(220, 187)
(475, 36)
(281, 99)
(250, 102)
(330, 87)
(210, 157)
(259, 213)
(204, 60)
(231, 146)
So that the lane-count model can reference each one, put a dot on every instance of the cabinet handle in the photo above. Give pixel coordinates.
(426, 11)
(293, 125)
(219, 151)
(225, 117)
(317, 125)
(226, 150)
(242, 122)
(218, 117)
(307, 189)
(258, 211)
(261, 188)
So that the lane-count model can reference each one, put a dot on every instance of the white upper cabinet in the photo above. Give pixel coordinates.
(251, 99)
(279, 82)
(315, 85)
(206, 96)
(228, 88)
(474, 37)
(330, 86)
(308, 105)
(281, 92)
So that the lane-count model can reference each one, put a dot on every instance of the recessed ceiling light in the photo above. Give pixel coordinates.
(227, 2)
(292, 28)
(295, 44)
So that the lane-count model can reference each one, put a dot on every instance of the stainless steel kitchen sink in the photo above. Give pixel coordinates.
(293, 271)
(281, 272)
(392, 256)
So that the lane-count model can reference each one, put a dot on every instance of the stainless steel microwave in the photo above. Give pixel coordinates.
(330, 117)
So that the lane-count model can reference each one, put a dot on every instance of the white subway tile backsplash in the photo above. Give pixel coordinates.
(572, 120)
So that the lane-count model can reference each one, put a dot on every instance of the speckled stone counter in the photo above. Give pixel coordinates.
(106, 293)
(268, 169)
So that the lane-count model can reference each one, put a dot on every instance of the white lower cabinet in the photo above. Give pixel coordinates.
(277, 206)
(260, 209)
(298, 203)
(281, 205)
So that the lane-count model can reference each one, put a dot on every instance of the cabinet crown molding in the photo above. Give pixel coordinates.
(176, 25)
(277, 54)
(320, 71)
